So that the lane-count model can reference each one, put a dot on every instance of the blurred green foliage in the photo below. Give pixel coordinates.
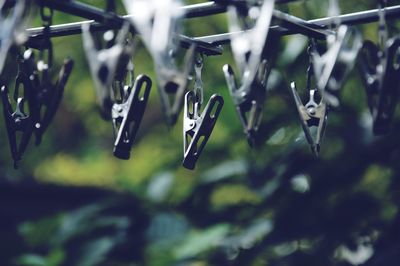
(273, 205)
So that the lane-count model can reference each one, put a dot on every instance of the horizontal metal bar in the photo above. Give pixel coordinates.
(301, 26)
(101, 20)
(93, 13)
(203, 9)
(356, 18)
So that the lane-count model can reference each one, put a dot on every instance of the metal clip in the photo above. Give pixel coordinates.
(333, 67)
(105, 63)
(311, 115)
(11, 28)
(127, 116)
(380, 73)
(249, 51)
(19, 120)
(197, 125)
(249, 100)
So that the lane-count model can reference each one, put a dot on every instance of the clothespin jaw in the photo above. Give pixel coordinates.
(172, 85)
(380, 74)
(333, 67)
(249, 98)
(19, 120)
(127, 116)
(198, 127)
(311, 115)
(105, 63)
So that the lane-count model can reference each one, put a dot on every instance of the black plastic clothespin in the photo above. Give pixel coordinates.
(380, 74)
(105, 63)
(20, 121)
(333, 67)
(253, 63)
(158, 28)
(128, 112)
(312, 114)
(11, 27)
(48, 94)
(198, 125)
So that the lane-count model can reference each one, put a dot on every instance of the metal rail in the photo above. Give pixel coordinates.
(356, 18)
(101, 20)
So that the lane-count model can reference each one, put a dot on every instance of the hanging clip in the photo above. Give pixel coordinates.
(158, 24)
(19, 120)
(311, 115)
(333, 67)
(48, 94)
(380, 74)
(11, 27)
(249, 48)
(127, 115)
(197, 125)
(105, 63)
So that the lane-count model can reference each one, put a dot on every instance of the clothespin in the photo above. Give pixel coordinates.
(19, 120)
(158, 23)
(105, 63)
(249, 51)
(333, 67)
(48, 94)
(11, 27)
(198, 125)
(380, 74)
(312, 114)
(127, 115)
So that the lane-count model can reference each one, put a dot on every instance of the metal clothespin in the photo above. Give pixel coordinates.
(11, 24)
(48, 94)
(333, 67)
(128, 113)
(198, 125)
(249, 51)
(20, 120)
(312, 114)
(158, 23)
(380, 74)
(105, 63)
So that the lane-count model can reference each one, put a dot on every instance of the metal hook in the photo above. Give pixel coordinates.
(382, 27)
(311, 115)
(127, 116)
(105, 63)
